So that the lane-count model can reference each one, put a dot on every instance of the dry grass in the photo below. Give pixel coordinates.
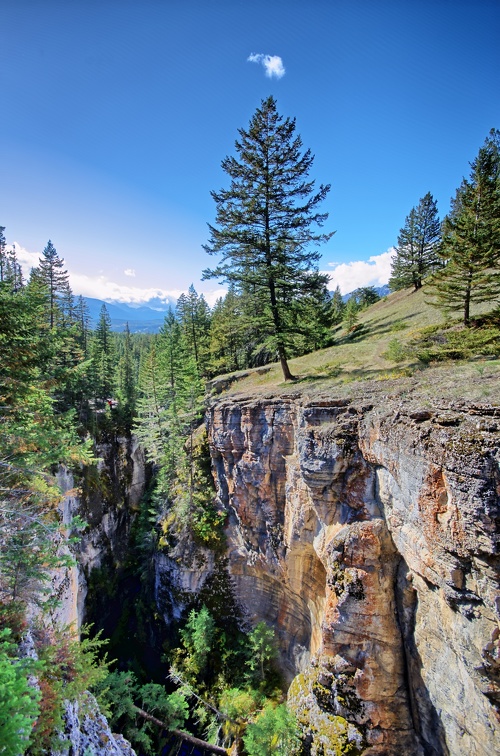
(361, 358)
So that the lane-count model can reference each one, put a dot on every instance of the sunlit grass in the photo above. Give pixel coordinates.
(380, 351)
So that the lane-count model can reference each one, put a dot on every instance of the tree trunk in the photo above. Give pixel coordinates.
(468, 291)
(284, 365)
(180, 734)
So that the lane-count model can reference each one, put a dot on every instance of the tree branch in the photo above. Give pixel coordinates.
(181, 734)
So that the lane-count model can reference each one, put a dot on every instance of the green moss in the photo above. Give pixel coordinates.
(324, 732)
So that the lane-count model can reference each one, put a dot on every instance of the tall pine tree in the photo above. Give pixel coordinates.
(265, 226)
(471, 237)
(55, 278)
(194, 317)
(418, 244)
(103, 358)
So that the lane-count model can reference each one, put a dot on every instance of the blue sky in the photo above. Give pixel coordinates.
(116, 115)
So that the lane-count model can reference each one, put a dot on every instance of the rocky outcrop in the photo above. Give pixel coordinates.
(366, 533)
(87, 732)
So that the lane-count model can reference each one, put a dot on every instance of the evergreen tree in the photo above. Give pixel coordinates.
(51, 273)
(194, 316)
(10, 270)
(265, 224)
(82, 319)
(3, 255)
(365, 296)
(418, 244)
(338, 307)
(150, 427)
(229, 338)
(18, 698)
(313, 328)
(351, 314)
(127, 383)
(471, 237)
(14, 273)
(103, 358)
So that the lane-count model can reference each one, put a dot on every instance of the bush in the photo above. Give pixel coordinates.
(396, 352)
(273, 732)
(18, 699)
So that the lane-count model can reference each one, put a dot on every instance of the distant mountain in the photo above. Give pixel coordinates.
(382, 291)
(139, 319)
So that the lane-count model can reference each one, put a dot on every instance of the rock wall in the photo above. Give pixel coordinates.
(367, 535)
(106, 497)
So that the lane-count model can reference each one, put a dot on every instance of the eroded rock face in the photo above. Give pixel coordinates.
(368, 537)
(106, 498)
(87, 732)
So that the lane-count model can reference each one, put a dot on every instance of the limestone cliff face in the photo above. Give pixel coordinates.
(367, 535)
(106, 498)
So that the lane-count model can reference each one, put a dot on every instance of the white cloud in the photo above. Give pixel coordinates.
(101, 287)
(211, 297)
(26, 259)
(373, 272)
(273, 65)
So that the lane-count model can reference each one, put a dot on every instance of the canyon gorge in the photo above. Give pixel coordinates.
(364, 530)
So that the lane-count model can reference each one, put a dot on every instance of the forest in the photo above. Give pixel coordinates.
(66, 389)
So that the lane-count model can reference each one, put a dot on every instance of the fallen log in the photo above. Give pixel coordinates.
(181, 734)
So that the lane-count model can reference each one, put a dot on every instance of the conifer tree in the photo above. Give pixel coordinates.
(127, 391)
(14, 273)
(82, 318)
(418, 244)
(351, 314)
(265, 226)
(365, 296)
(103, 357)
(3, 256)
(338, 306)
(10, 270)
(51, 273)
(150, 427)
(194, 317)
(227, 342)
(471, 237)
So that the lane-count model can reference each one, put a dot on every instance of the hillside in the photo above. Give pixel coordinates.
(391, 345)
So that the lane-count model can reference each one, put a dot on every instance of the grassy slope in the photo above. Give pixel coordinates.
(358, 364)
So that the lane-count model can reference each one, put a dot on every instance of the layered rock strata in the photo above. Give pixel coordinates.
(367, 535)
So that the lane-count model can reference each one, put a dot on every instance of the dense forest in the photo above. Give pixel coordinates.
(66, 388)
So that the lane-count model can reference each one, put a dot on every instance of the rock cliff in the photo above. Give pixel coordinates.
(366, 532)
(106, 498)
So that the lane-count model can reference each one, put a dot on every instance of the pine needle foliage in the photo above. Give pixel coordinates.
(416, 255)
(265, 227)
(471, 238)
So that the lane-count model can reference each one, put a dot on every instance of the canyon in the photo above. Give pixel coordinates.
(364, 529)
(365, 532)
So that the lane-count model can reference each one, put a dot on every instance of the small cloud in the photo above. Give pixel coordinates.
(273, 65)
(130, 272)
(372, 272)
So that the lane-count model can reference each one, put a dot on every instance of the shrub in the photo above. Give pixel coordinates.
(396, 352)
(18, 699)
